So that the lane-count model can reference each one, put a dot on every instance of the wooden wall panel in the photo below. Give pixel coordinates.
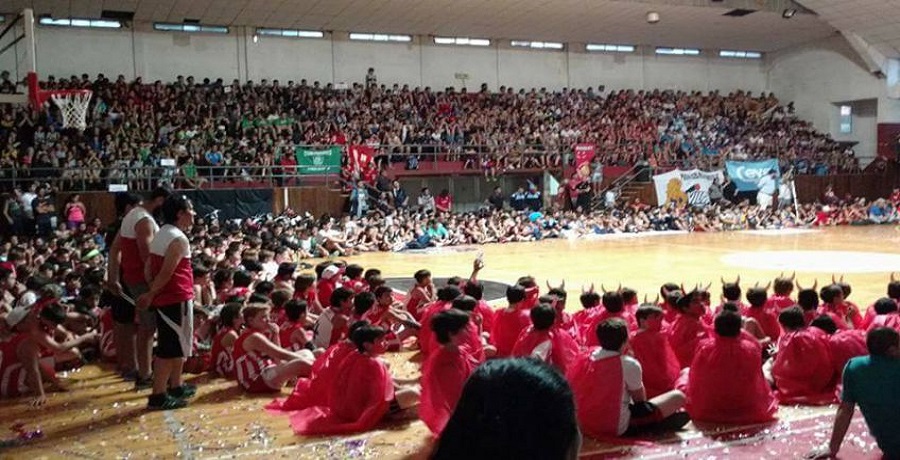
(314, 200)
(98, 204)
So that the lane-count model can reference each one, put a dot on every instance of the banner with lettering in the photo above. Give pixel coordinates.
(685, 187)
(327, 161)
(746, 174)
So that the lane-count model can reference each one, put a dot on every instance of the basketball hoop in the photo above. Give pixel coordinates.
(73, 103)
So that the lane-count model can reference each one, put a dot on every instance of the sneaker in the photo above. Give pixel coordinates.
(164, 402)
(143, 384)
(130, 376)
(185, 391)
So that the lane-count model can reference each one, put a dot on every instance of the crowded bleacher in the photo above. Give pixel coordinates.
(237, 132)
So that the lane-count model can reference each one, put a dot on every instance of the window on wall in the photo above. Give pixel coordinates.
(609, 48)
(462, 41)
(846, 119)
(290, 33)
(73, 22)
(537, 45)
(191, 28)
(380, 37)
(678, 51)
(740, 54)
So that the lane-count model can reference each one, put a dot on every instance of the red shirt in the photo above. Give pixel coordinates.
(443, 202)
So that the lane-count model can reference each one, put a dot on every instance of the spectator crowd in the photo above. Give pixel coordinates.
(188, 131)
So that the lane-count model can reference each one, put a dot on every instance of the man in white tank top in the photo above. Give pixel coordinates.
(170, 297)
(128, 258)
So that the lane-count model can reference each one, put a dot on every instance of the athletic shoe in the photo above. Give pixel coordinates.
(164, 402)
(143, 384)
(185, 391)
(130, 376)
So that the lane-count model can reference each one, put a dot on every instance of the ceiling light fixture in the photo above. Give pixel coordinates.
(788, 13)
(652, 17)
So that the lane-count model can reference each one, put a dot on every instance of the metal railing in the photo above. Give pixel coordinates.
(471, 157)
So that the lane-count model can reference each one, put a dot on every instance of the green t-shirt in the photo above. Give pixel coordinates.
(873, 382)
(190, 170)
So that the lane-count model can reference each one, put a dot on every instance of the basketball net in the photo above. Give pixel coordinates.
(73, 105)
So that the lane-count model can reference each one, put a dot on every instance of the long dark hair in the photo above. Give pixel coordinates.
(511, 408)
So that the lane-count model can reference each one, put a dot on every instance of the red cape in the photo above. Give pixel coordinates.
(443, 376)
(426, 336)
(726, 383)
(508, 325)
(360, 400)
(563, 348)
(844, 345)
(684, 337)
(802, 369)
(658, 361)
(487, 315)
(589, 333)
(597, 387)
(767, 319)
(892, 321)
(313, 391)
(778, 303)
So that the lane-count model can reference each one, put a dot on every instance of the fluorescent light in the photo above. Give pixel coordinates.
(293, 33)
(536, 44)
(462, 41)
(380, 37)
(609, 48)
(678, 51)
(175, 27)
(740, 54)
(79, 22)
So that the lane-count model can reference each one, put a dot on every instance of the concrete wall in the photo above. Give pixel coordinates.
(819, 77)
(162, 55)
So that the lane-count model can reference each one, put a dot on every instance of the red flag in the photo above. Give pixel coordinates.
(584, 153)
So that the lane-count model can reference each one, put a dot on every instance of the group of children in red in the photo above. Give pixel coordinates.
(633, 368)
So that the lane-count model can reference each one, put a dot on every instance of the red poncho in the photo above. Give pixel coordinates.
(562, 352)
(581, 320)
(508, 325)
(844, 345)
(360, 400)
(891, 320)
(658, 360)
(767, 319)
(487, 315)
(726, 383)
(426, 335)
(684, 337)
(597, 387)
(314, 391)
(802, 369)
(589, 333)
(443, 376)
(777, 303)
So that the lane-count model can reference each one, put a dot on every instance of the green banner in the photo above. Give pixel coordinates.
(326, 161)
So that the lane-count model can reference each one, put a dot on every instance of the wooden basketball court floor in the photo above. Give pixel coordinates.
(101, 417)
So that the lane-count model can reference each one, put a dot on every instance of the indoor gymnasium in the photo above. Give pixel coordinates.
(406, 229)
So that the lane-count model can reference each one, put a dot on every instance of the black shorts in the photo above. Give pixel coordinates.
(175, 329)
(122, 310)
